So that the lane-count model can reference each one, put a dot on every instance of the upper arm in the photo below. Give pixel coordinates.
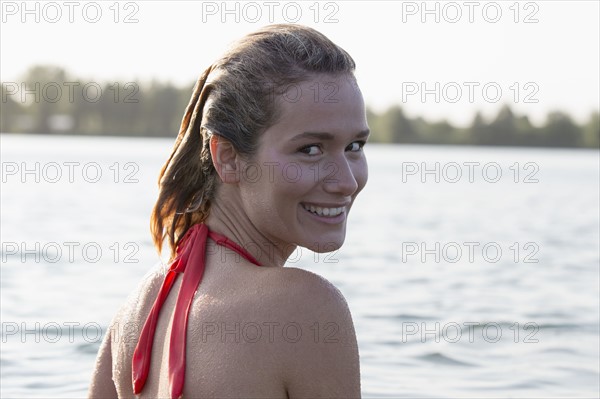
(324, 362)
(102, 385)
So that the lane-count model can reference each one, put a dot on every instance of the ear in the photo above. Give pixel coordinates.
(225, 159)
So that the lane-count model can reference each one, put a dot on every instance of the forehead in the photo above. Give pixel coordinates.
(322, 103)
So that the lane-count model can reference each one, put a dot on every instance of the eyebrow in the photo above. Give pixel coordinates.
(326, 136)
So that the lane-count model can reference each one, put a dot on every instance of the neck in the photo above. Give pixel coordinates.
(232, 222)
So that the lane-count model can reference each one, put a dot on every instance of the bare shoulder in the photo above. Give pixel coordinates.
(137, 305)
(108, 378)
(318, 344)
(303, 293)
(125, 327)
(293, 326)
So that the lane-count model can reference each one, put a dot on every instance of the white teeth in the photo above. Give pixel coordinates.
(331, 212)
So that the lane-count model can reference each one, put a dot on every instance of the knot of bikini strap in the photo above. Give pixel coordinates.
(191, 251)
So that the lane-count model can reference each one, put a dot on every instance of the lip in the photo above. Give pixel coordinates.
(326, 219)
(324, 205)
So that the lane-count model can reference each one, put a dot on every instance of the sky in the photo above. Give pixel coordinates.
(436, 59)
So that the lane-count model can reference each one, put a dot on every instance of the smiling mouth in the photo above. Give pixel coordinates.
(323, 211)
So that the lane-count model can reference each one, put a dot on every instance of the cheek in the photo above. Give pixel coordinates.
(274, 183)
(294, 180)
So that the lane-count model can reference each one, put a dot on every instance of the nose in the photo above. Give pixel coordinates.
(339, 177)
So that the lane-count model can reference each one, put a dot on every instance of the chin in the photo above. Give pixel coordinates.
(324, 245)
(321, 234)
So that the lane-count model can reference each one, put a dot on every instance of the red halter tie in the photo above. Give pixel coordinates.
(192, 251)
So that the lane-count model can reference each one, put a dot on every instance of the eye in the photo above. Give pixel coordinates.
(312, 150)
(356, 146)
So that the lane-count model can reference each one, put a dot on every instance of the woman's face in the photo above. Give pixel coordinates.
(310, 166)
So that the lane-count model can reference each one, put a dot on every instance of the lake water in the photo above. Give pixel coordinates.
(470, 272)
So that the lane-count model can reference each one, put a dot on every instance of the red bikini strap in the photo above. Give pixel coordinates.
(226, 242)
(191, 250)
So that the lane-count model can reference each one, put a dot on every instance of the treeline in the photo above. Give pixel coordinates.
(48, 100)
(505, 129)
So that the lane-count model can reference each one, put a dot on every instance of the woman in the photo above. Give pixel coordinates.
(269, 158)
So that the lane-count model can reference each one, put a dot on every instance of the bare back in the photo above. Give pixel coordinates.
(261, 332)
